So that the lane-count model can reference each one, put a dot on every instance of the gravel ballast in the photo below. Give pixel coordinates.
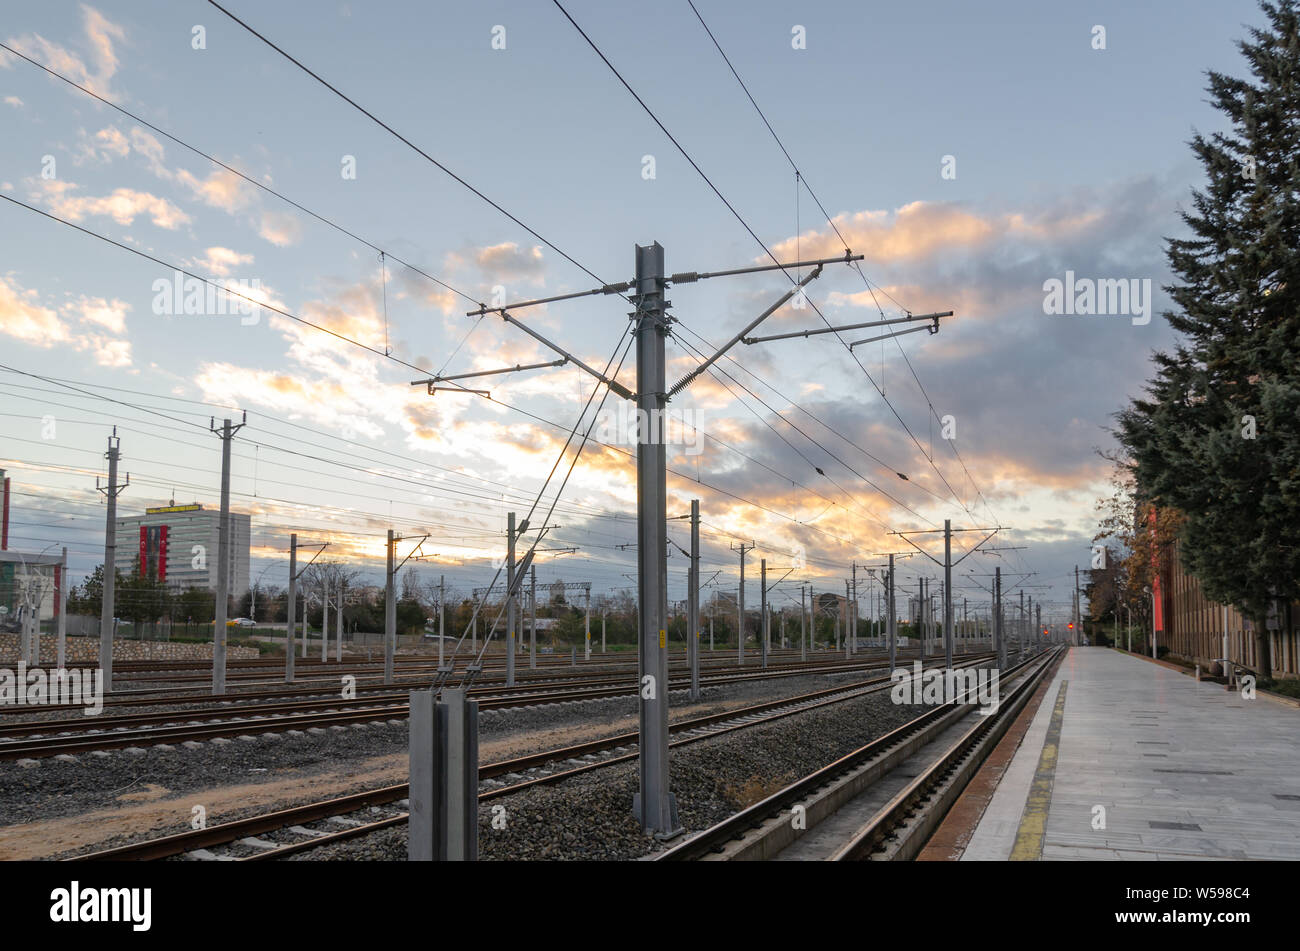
(589, 817)
(66, 787)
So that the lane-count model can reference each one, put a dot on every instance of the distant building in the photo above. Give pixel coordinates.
(178, 544)
(28, 586)
(831, 605)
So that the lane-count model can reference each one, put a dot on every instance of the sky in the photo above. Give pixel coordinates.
(971, 155)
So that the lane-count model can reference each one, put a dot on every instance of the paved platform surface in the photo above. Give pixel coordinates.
(1183, 770)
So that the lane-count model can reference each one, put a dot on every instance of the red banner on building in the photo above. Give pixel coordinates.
(153, 551)
(1158, 566)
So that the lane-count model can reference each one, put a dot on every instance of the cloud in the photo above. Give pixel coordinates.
(280, 228)
(123, 205)
(104, 146)
(108, 314)
(508, 261)
(221, 189)
(13, 101)
(919, 230)
(108, 351)
(100, 34)
(293, 394)
(150, 148)
(221, 261)
(23, 318)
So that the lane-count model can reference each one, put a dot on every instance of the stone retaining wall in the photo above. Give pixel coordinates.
(87, 649)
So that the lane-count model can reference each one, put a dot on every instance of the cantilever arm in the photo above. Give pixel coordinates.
(518, 367)
(812, 332)
(976, 547)
(686, 380)
(614, 385)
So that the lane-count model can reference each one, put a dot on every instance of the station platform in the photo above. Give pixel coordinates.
(1128, 760)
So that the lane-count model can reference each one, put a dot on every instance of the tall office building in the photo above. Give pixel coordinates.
(178, 545)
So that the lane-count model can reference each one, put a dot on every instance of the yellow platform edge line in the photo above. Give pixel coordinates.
(1028, 846)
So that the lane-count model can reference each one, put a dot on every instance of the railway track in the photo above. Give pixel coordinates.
(895, 827)
(45, 738)
(310, 826)
(326, 685)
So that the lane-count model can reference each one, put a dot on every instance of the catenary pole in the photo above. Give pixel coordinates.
(947, 593)
(654, 803)
(227, 433)
(512, 614)
(390, 610)
(107, 621)
(693, 602)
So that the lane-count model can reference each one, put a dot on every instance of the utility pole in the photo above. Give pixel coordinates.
(1038, 624)
(338, 622)
(763, 635)
(602, 632)
(226, 433)
(107, 622)
(853, 607)
(740, 603)
(61, 651)
(586, 626)
(922, 615)
(693, 602)
(532, 608)
(655, 805)
(1078, 614)
(803, 624)
(892, 620)
(848, 620)
(291, 605)
(390, 610)
(324, 618)
(999, 642)
(442, 615)
(1024, 628)
(512, 617)
(947, 564)
(947, 593)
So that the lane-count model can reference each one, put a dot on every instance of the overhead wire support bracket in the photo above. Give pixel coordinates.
(799, 286)
(614, 385)
(933, 328)
(830, 330)
(484, 309)
(453, 389)
(973, 549)
(689, 277)
(517, 368)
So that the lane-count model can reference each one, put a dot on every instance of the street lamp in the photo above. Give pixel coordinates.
(1151, 591)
